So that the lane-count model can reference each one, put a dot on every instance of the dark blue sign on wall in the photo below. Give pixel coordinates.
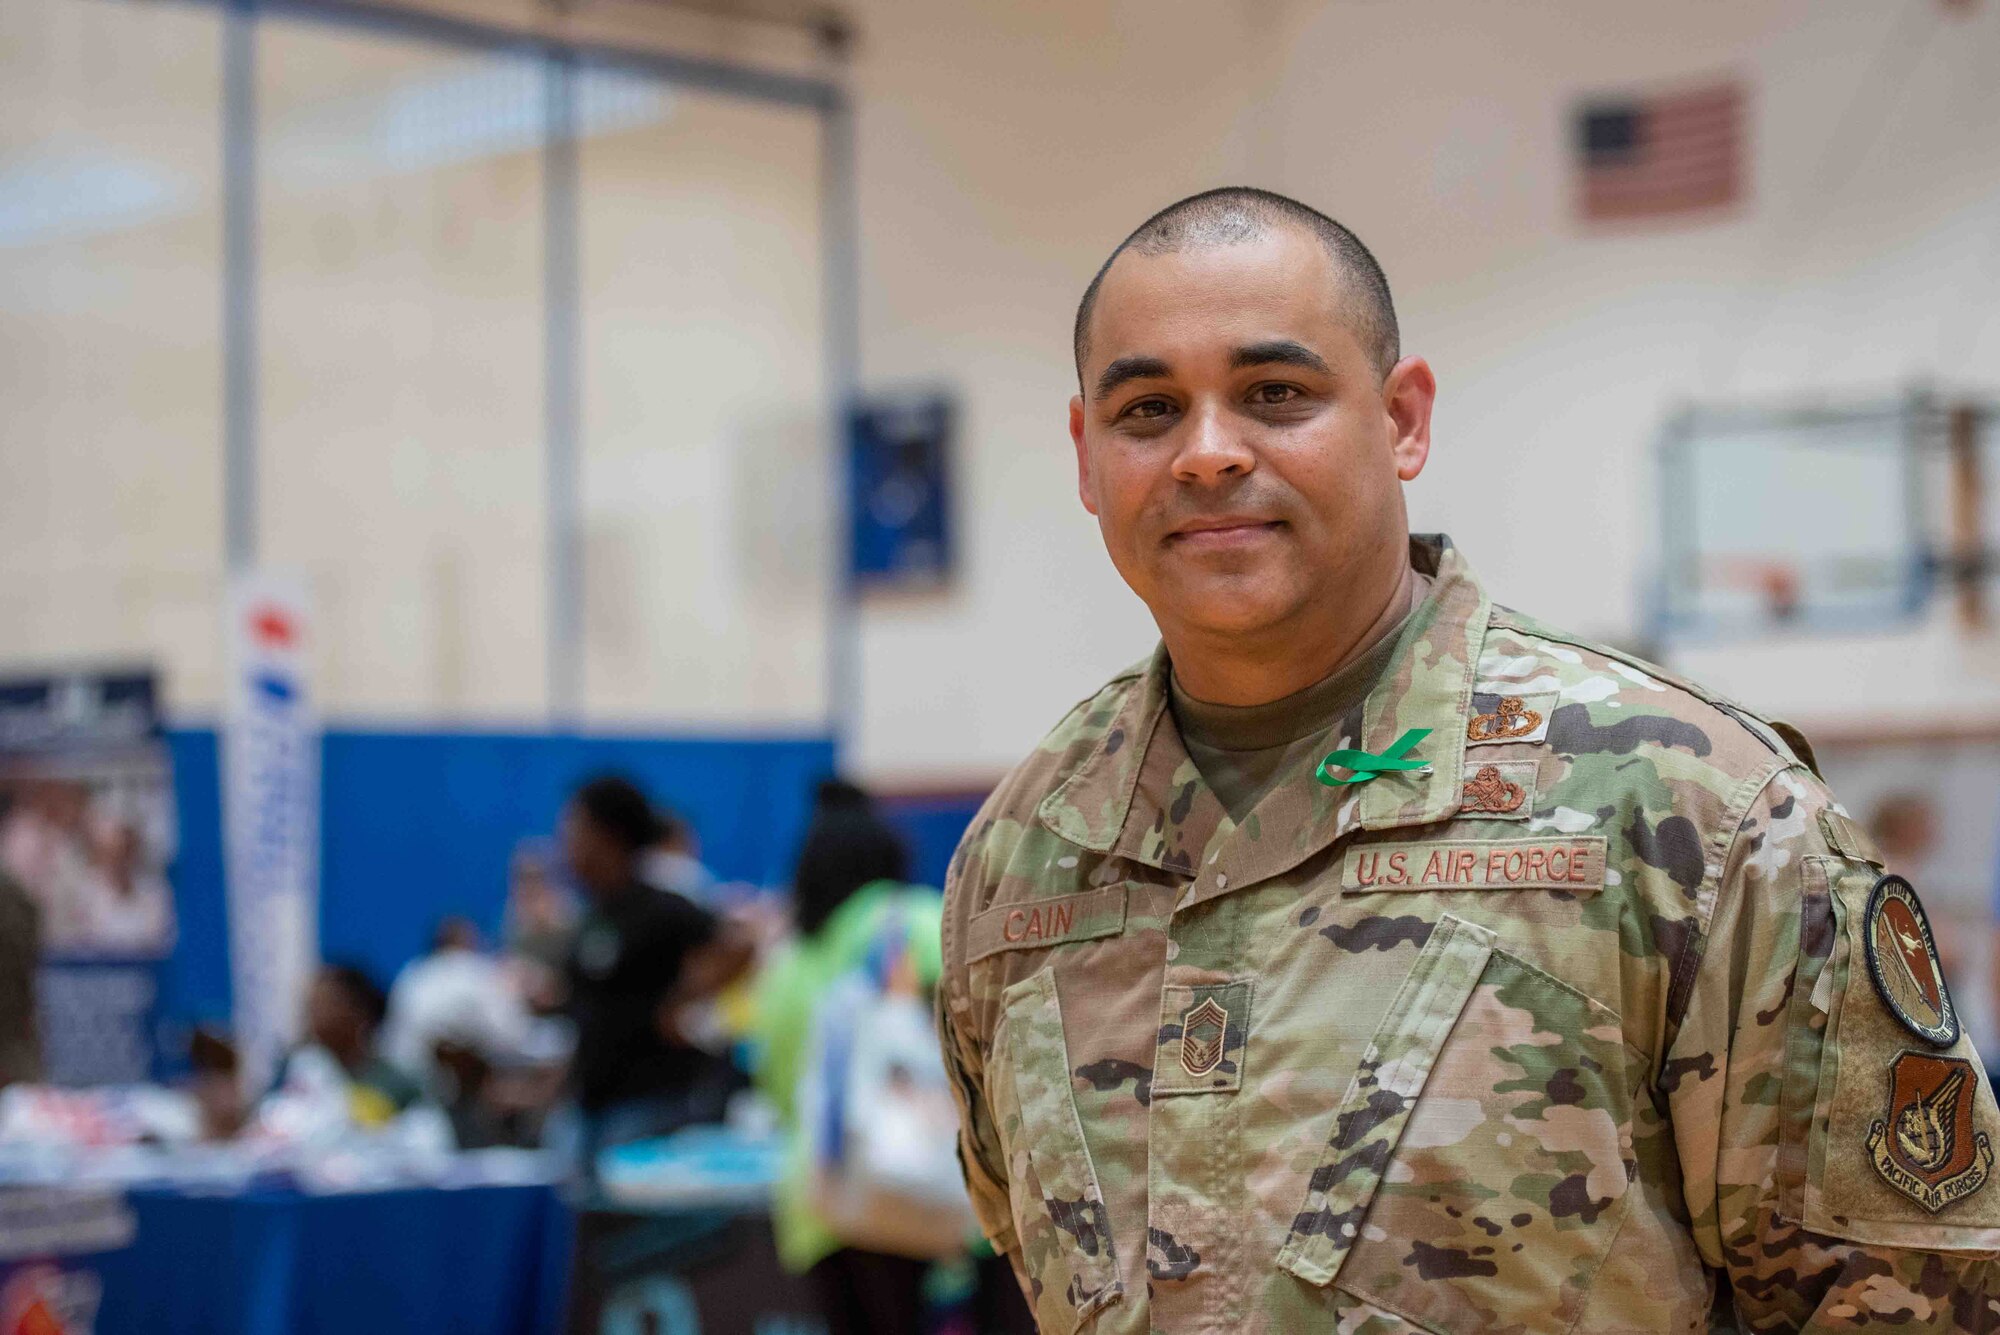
(899, 490)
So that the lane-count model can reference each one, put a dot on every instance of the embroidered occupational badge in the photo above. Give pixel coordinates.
(1203, 1027)
(1926, 1147)
(1902, 960)
(1488, 791)
(1510, 719)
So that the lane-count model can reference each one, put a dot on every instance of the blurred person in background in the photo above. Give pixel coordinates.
(848, 894)
(642, 961)
(20, 959)
(344, 1013)
(540, 929)
(215, 1085)
(674, 861)
(457, 994)
(847, 885)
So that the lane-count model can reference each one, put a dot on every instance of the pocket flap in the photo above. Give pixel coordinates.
(1385, 1088)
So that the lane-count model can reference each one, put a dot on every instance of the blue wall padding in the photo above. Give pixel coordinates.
(194, 983)
(419, 825)
(932, 827)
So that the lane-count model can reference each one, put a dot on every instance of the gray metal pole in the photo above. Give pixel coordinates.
(839, 229)
(239, 284)
(562, 354)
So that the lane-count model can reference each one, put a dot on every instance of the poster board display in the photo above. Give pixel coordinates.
(88, 830)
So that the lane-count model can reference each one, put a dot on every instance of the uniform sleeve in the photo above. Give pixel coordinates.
(980, 1156)
(1835, 1163)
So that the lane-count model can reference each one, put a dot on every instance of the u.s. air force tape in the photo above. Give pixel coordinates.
(1572, 864)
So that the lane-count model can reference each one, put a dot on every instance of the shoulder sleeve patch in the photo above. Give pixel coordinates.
(1925, 1144)
(1898, 1148)
(1903, 962)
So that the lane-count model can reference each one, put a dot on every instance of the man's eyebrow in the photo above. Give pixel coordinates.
(1278, 352)
(1130, 368)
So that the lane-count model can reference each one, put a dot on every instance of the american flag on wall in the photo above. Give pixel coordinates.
(1662, 154)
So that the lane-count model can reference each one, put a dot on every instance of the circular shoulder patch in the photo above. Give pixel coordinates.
(1902, 960)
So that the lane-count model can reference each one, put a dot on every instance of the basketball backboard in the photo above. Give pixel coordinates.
(1817, 518)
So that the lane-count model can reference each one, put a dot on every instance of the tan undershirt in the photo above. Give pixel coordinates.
(1244, 751)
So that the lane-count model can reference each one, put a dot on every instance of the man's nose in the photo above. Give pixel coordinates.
(1210, 450)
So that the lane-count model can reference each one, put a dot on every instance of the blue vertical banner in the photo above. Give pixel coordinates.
(899, 475)
(270, 816)
(88, 828)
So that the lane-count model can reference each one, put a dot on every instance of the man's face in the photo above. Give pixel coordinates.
(1241, 452)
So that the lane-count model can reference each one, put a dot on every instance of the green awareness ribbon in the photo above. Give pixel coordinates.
(1367, 764)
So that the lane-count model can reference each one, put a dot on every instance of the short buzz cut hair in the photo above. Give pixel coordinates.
(1239, 213)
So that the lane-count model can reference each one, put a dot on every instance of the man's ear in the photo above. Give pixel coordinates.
(1082, 453)
(1407, 397)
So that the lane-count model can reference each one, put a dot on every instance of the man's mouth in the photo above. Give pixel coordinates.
(1223, 531)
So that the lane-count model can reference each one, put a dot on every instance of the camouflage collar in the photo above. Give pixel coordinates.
(1137, 795)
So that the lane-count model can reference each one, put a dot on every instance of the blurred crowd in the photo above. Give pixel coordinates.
(632, 994)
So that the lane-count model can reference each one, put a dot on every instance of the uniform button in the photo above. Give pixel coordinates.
(1221, 881)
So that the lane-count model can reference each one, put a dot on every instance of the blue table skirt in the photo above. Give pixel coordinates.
(470, 1261)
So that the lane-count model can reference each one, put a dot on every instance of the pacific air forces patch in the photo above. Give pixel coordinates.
(1903, 962)
(1926, 1147)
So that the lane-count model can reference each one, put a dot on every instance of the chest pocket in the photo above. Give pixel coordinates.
(1479, 1162)
(1058, 1210)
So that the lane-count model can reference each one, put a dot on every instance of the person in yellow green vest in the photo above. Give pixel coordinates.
(849, 888)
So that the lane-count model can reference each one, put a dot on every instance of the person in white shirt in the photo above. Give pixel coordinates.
(459, 994)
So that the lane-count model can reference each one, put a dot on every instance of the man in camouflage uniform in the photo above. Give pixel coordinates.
(1378, 959)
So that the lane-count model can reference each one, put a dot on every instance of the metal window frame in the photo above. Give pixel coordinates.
(562, 297)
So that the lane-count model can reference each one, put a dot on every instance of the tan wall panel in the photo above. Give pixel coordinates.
(706, 468)
(401, 362)
(110, 366)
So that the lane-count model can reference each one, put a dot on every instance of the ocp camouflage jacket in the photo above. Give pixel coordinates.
(1610, 1021)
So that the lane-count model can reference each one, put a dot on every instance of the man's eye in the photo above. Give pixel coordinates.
(1274, 393)
(1149, 408)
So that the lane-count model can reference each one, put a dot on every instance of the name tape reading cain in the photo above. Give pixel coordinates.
(1046, 922)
